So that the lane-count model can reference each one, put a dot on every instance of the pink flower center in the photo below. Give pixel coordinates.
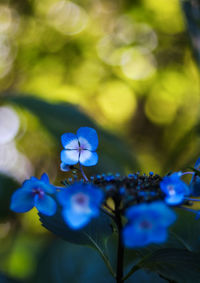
(146, 224)
(80, 202)
(39, 192)
(171, 190)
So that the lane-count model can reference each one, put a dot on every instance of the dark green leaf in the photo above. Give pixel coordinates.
(178, 265)
(64, 262)
(6, 279)
(7, 187)
(187, 230)
(95, 234)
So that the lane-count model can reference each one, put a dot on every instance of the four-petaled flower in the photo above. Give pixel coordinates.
(35, 192)
(147, 223)
(80, 147)
(81, 202)
(174, 188)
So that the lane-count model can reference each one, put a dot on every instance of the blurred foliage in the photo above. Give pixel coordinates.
(130, 69)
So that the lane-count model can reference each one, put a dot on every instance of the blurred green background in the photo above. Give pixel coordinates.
(128, 68)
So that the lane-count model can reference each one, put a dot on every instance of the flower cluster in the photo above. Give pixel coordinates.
(146, 201)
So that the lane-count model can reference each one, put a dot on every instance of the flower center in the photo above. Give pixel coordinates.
(80, 202)
(171, 190)
(39, 192)
(145, 225)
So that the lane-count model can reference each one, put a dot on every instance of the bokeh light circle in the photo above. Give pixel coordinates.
(117, 101)
(67, 17)
(9, 124)
(138, 63)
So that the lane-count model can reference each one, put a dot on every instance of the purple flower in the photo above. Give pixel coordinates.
(174, 188)
(80, 147)
(147, 223)
(81, 202)
(35, 192)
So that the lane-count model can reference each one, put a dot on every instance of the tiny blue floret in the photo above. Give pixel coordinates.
(174, 188)
(35, 192)
(80, 148)
(81, 202)
(147, 223)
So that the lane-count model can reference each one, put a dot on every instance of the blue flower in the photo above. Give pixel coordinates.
(174, 188)
(34, 192)
(147, 223)
(80, 147)
(80, 202)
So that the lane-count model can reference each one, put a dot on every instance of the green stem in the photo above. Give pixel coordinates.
(133, 270)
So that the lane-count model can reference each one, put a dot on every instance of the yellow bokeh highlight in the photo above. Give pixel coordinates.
(170, 93)
(21, 262)
(167, 14)
(117, 101)
(138, 63)
(52, 87)
(148, 161)
(161, 107)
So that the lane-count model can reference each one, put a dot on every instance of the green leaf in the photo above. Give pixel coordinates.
(178, 265)
(64, 117)
(187, 230)
(64, 262)
(7, 187)
(95, 234)
(5, 279)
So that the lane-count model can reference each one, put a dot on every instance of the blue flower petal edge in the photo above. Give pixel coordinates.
(174, 188)
(147, 223)
(81, 202)
(35, 192)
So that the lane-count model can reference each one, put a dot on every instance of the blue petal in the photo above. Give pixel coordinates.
(28, 184)
(162, 214)
(45, 205)
(88, 158)
(133, 238)
(63, 196)
(47, 188)
(45, 178)
(69, 157)
(22, 200)
(175, 199)
(88, 138)
(76, 220)
(69, 141)
(158, 235)
(64, 167)
(135, 211)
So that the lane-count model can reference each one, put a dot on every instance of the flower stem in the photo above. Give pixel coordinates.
(185, 173)
(120, 249)
(83, 173)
